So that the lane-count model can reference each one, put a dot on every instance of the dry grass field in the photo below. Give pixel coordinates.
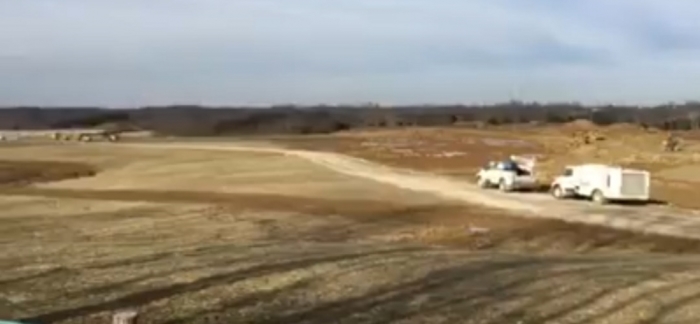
(194, 236)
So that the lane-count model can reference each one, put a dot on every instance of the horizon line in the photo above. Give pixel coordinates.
(355, 105)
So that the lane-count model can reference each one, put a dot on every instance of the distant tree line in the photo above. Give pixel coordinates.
(219, 121)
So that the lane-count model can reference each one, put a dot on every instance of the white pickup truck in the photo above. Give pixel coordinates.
(517, 173)
(602, 183)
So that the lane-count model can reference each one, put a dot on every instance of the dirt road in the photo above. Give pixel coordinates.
(648, 219)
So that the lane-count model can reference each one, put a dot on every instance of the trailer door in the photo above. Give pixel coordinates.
(634, 184)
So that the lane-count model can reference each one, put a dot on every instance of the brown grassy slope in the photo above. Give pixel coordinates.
(453, 151)
(454, 225)
(25, 172)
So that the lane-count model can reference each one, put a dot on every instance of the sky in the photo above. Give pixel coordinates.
(256, 52)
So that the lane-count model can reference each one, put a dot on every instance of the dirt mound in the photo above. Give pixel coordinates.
(624, 127)
(27, 172)
(579, 124)
(580, 138)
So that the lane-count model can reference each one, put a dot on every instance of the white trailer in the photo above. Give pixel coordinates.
(517, 173)
(602, 183)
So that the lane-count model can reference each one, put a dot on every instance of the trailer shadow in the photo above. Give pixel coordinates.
(626, 203)
(546, 189)
(650, 202)
(621, 203)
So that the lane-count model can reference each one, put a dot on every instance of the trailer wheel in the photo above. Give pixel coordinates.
(558, 192)
(598, 197)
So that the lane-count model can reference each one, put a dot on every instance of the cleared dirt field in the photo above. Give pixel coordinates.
(460, 152)
(190, 236)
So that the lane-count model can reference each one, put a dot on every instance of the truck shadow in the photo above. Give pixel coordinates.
(542, 188)
(650, 202)
(545, 189)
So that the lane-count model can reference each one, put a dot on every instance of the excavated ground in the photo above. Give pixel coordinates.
(200, 236)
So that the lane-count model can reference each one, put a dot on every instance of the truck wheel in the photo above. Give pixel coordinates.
(483, 183)
(503, 186)
(558, 192)
(598, 197)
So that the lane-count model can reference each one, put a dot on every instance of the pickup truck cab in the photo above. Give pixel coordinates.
(508, 175)
(602, 183)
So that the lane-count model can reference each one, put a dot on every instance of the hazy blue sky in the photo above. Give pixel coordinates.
(134, 52)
